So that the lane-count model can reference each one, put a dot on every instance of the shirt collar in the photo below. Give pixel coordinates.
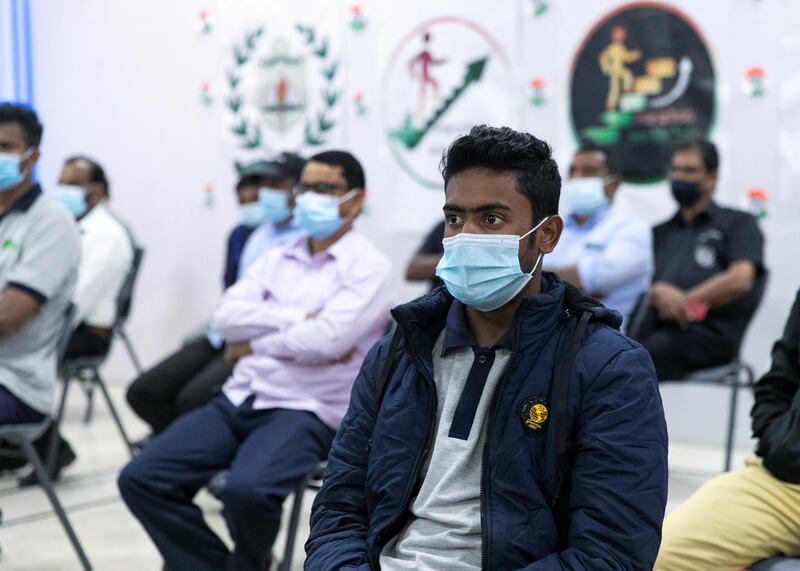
(591, 222)
(457, 334)
(709, 214)
(298, 248)
(24, 202)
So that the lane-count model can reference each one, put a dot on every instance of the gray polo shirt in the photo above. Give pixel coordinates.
(444, 530)
(39, 255)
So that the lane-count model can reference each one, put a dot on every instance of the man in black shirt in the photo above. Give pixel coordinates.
(423, 265)
(709, 272)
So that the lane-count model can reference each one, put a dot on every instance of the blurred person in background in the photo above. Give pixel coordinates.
(709, 272)
(604, 253)
(193, 375)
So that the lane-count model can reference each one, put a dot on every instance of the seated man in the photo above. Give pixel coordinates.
(422, 266)
(190, 377)
(106, 255)
(297, 325)
(742, 517)
(471, 442)
(106, 258)
(602, 252)
(709, 272)
(39, 256)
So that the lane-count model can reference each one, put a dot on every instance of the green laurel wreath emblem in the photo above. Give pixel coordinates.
(248, 132)
(318, 127)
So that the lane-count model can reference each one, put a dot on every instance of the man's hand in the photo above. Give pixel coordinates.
(670, 302)
(235, 351)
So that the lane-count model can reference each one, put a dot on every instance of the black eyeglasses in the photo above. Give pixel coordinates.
(320, 187)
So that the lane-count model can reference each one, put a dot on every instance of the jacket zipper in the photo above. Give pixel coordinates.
(485, 452)
(372, 557)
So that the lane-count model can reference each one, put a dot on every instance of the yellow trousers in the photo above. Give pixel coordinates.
(732, 521)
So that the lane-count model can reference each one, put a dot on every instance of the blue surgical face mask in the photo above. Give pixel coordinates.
(584, 196)
(275, 204)
(482, 270)
(317, 214)
(73, 197)
(251, 214)
(10, 174)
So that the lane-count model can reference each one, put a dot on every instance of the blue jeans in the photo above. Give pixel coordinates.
(268, 452)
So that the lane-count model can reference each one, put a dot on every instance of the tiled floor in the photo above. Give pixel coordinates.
(32, 540)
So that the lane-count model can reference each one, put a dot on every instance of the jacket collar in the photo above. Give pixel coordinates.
(423, 319)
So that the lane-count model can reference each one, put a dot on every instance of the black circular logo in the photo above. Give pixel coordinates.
(642, 81)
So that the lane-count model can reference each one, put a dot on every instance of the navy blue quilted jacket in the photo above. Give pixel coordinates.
(610, 508)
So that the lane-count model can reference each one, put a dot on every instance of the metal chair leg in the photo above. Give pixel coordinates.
(47, 484)
(88, 390)
(294, 522)
(729, 442)
(55, 438)
(131, 353)
(117, 420)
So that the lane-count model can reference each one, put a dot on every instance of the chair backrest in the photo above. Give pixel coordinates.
(65, 333)
(755, 298)
(638, 315)
(125, 296)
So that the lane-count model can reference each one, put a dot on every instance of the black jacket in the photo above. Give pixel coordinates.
(776, 413)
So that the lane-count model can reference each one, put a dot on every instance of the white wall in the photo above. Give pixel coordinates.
(120, 81)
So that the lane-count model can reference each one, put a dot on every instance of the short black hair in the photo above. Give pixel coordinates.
(707, 150)
(503, 149)
(96, 172)
(249, 180)
(26, 118)
(610, 155)
(351, 169)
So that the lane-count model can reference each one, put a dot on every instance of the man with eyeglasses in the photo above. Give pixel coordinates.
(297, 326)
(709, 270)
(602, 252)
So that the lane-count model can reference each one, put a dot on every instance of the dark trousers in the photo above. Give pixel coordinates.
(86, 342)
(184, 381)
(14, 411)
(677, 352)
(268, 453)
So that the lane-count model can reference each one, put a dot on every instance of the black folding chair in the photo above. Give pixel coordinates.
(735, 375)
(312, 480)
(24, 435)
(87, 369)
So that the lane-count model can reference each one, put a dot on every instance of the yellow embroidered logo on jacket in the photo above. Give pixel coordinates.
(537, 416)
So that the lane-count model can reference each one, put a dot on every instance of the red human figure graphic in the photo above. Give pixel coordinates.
(420, 69)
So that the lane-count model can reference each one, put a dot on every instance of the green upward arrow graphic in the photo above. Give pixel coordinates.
(410, 137)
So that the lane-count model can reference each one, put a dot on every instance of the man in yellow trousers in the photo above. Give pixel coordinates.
(742, 517)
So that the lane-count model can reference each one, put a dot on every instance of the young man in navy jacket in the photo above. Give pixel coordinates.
(506, 424)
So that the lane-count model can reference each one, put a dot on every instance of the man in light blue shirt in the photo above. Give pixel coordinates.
(606, 254)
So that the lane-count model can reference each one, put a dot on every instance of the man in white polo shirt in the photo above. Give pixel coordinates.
(39, 256)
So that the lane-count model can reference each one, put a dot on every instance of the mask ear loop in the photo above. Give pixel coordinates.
(347, 196)
(528, 233)
(535, 228)
(23, 157)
